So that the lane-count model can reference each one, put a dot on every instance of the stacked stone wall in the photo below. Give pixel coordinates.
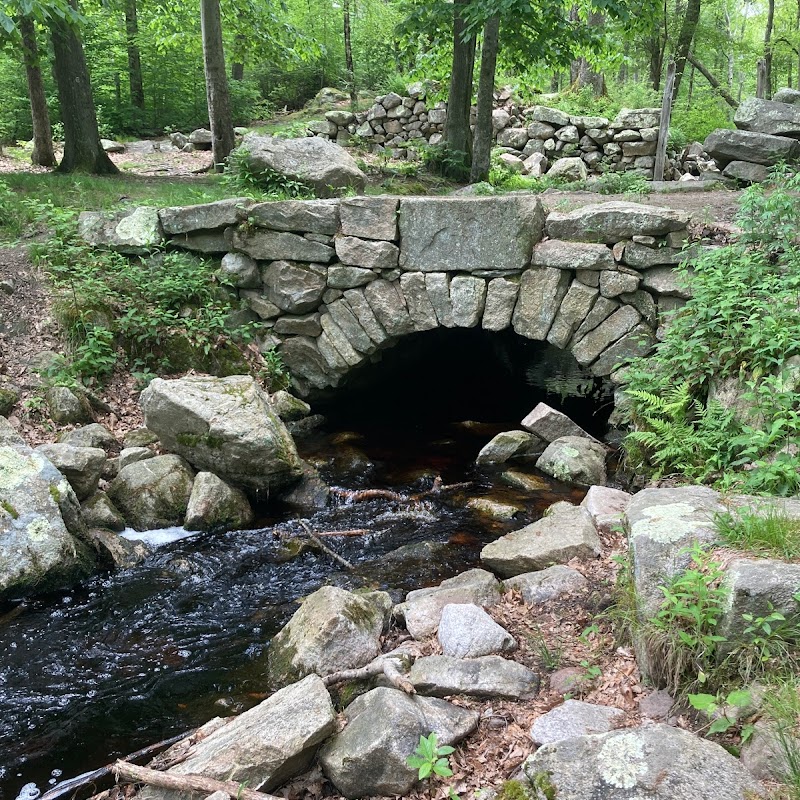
(333, 282)
(626, 143)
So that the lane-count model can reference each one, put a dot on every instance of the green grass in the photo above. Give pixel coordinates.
(773, 533)
(95, 193)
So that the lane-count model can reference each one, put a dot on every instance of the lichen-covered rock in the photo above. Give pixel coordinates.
(332, 630)
(467, 631)
(548, 424)
(215, 505)
(94, 435)
(725, 146)
(154, 493)
(288, 407)
(493, 508)
(42, 543)
(225, 426)
(487, 676)
(368, 758)
(768, 116)
(607, 507)
(657, 762)
(422, 608)
(265, 746)
(81, 466)
(204, 216)
(566, 532)
(574, 459)
(135, 232)
(8, 433)
(294, 288)
(663, 524)
(569, 169)
(318, 163)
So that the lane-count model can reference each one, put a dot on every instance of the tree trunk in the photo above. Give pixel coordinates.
(237, 68)
(724, 93)
(685, 38)
(656, 61)
(82, 149)
(42, 154)
(134, 57)
(768, 48)
(459, 98)
(584, 75)
(348, 55)
(482, 138)
(219, 104)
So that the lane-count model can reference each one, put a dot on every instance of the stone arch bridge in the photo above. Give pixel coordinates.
(334, 282)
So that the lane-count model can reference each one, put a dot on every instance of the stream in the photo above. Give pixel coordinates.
(133, 657)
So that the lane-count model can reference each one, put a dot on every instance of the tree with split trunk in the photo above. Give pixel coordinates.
(482, 141)
(219, 104)
(459, 98)
(82, 149)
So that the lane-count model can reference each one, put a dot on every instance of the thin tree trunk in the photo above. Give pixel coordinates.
(134, 57)
(585, 75)
(82, 149)
(459, 98)
(768, 47)
(482, 138)
(237, 68)
(348, 54)
(723, 92)
(685, 38)
(219, 104)
(42, 154)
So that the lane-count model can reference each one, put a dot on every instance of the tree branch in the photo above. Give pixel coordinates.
(724, 93)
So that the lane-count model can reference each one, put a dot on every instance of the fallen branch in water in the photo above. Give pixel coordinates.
(322, 546)
(72, 784)
(353, 532)
(361, 495)
(187, 783)
(383, 665)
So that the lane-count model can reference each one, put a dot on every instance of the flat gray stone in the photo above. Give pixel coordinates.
(574, 718)
(547, 584)
(437, 285)
(450, 234)
(566, 532)
(638, 342)
(205, 216)
(488, 676)
(420, 308)
(666, 281)
(467, 631)
(574, 309)
(308, 216)
(614, 327)
(614, 221)
(132, 232)
(347, 277)
(422, 608)
(745, 172)
(81, 466)
(725, 146)
(606, 507)
(367, 254)
(265, 746)
(369, 217)
(267, 245)
(467, 297)
(507, 445)
(768, 116)
(366, 316)
(295, 288)
(389, 306)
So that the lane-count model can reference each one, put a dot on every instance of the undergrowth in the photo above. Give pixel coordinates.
(772, 533)
(164, 311)
(741, 326)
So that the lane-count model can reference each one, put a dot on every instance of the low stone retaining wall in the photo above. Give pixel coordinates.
(333, 282)
(626, 143)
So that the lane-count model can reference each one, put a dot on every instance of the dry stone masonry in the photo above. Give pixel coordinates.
(334, 282)
(534, 139)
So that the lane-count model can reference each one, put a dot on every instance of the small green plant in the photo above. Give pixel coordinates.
(550, 656)
(240, 176)
(430, 758)
(681, 635)
(623, 183)
(729, 708)
(592, 671)
(770, 533)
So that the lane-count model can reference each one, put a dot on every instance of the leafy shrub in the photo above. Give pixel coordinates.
(741, 323)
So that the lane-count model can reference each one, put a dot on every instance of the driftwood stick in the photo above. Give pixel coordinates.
(361, 495)
(322, 546)
(383, 665)
(186, 783)
(353, 532)
(89, 777)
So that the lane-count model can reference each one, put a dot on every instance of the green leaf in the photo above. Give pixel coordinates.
(739, 698)
(720, 725)
(703, 702)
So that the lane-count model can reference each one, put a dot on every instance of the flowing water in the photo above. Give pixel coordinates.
(136, 656)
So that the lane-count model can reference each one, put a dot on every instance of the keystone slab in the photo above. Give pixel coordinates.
(450, 234)
(614, 221)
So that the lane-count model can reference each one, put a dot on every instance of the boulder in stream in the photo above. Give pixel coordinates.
(223, 425)
(574, 459)
(332, 630)
(215, 505)
(42, 535)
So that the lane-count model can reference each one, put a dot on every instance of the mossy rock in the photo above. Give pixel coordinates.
(9, 396)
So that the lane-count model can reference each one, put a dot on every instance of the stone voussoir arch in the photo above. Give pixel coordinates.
(334, 282)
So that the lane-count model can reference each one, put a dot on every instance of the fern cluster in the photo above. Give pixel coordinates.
(741, 323)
